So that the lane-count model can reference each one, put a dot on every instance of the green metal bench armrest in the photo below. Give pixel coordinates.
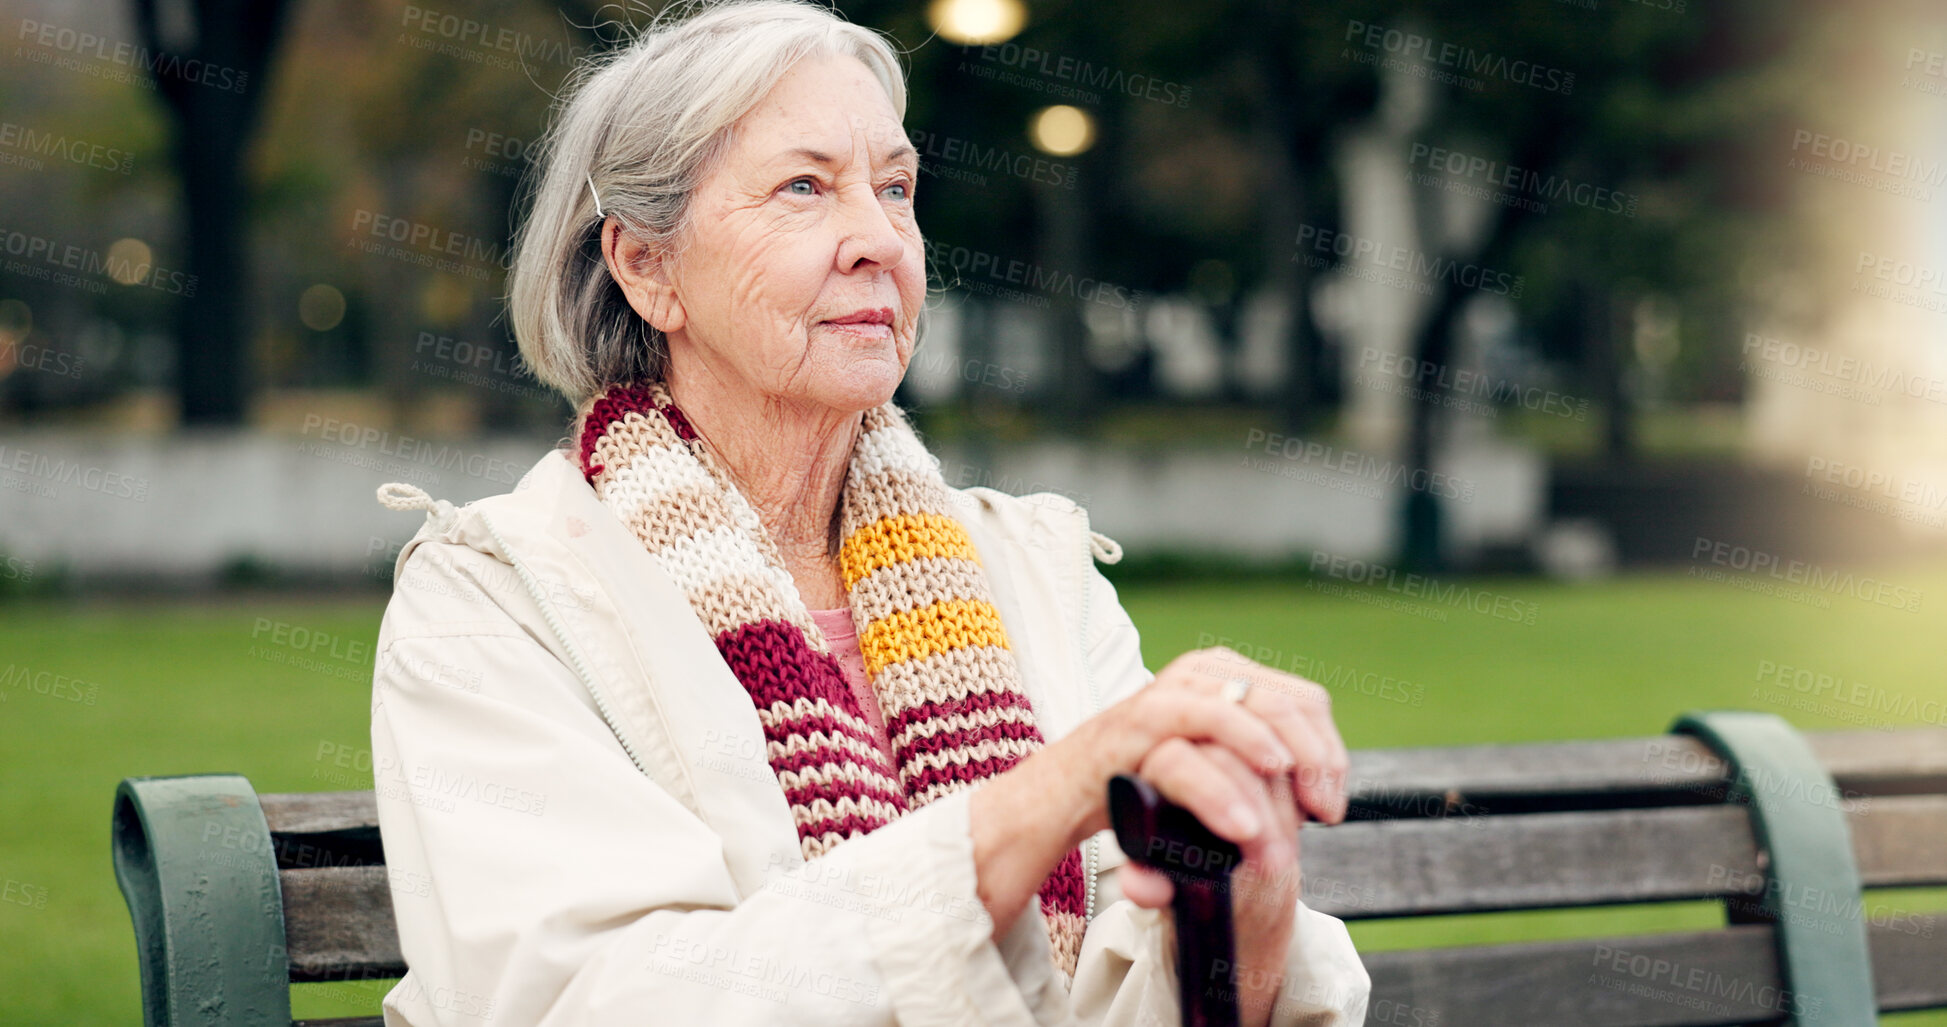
(1811, 890)
(194, 859)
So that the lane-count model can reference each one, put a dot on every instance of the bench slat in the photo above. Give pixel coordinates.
(338, 924)
(1705, 977)
(1910, 961)
(320, 812)
(1369, 869)
(1906, 761)
(1542, 860)
(1901, 840)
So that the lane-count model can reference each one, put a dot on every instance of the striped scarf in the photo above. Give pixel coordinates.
(931, 637)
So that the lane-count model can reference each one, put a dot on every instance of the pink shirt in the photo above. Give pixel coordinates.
(843, 637)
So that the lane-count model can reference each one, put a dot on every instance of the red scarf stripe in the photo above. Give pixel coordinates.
(933, 709)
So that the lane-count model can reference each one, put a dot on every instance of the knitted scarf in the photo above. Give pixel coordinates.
(931, 637)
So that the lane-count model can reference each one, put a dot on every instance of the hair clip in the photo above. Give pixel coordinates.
(598, 196)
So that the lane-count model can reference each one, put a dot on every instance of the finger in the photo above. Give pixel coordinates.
(1233, 804)
(1144, 886)
(1276, 879)
(1300, 711)
(1195, 713)
(1320, 790)
(1276, 845)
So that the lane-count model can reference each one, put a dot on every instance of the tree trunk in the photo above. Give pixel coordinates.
(213, 82)
(212, 359)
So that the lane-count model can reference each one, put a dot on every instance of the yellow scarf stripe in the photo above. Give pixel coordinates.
(905, 537)
(941, 627)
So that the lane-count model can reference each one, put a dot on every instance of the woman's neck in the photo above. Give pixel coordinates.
(790, 461)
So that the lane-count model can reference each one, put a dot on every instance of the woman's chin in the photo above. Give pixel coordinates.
(863, 383)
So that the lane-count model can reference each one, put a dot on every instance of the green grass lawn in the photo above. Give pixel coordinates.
(186, 688)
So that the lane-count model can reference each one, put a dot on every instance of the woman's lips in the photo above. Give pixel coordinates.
(872, 323)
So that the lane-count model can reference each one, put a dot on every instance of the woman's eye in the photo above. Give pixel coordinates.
(802, 187)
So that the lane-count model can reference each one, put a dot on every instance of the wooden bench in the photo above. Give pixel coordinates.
(234, 896)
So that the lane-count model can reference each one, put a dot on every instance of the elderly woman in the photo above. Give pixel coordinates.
(732, 712)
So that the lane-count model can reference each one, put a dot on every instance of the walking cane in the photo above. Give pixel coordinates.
(1163, 836)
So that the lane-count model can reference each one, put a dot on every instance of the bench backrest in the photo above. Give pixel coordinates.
(1432, 832)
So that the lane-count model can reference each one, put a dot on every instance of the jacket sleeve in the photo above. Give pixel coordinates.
(1127, 973)
(540, 878)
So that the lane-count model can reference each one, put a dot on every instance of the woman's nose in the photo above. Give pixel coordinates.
(868, 240)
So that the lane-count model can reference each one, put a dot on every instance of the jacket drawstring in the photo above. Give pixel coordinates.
(398, 495)
(1100, 546)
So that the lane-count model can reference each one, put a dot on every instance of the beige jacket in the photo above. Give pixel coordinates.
(581, 827)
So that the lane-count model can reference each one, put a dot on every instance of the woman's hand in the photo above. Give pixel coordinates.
(1214, 757)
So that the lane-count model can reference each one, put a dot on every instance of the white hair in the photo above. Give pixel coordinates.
(643, 125)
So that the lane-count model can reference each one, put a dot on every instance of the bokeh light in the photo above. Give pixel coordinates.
(977, 22)
(1062, 130)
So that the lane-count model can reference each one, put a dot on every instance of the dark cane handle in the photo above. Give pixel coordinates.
(1163, 836)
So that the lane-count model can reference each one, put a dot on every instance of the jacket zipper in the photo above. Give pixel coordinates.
(1091, 849)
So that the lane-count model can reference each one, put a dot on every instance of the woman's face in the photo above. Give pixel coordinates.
(801, 274)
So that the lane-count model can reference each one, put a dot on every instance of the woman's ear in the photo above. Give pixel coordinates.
(644, 277)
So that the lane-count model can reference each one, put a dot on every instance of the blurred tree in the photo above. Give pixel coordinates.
(1661, 99)
(212, 59)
